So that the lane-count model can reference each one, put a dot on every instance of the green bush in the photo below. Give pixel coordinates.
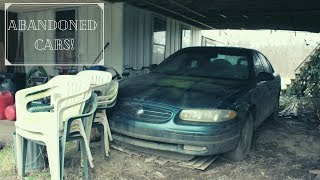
(307, 84)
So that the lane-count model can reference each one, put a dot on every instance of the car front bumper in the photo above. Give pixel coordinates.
(196, 141)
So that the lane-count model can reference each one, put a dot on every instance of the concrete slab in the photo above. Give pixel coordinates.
(6, 130)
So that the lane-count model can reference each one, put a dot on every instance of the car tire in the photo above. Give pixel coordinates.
(244, 144)
(274, 115)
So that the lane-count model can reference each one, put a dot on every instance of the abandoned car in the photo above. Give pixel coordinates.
(198, 101)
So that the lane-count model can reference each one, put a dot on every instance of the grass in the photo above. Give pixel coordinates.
(7, 161)
(7, 164)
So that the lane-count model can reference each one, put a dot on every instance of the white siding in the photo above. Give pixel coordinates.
(89, 42)
(31, 55)
(173, 39)
(195, 36)
(138, 37)
(115, 37)
(138, 34)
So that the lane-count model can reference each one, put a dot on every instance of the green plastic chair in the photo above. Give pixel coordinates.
(71, 135)
(68, 96)
(101, 81)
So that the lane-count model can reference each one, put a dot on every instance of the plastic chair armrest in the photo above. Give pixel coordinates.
(106, 106)
(41, 108)
(61, 108)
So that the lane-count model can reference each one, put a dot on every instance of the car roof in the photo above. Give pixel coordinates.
(219, 47)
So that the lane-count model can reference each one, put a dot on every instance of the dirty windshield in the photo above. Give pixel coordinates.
(211, 63)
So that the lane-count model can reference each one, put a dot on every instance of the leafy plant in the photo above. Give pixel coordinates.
(307, 83)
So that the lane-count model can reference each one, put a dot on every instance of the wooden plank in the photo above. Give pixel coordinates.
(206, 164)
(191, 162)
(317, 172)
(200, 163)
(171, 155)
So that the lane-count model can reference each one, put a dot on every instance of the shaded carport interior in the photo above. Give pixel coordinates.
(294, 15)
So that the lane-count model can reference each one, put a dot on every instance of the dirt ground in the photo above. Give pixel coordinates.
(282, 149)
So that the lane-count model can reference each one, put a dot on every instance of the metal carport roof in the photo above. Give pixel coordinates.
(296, 15)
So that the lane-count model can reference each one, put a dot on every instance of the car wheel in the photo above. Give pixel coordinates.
(244, 144)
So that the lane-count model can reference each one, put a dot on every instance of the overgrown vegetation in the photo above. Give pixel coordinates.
(307, 83)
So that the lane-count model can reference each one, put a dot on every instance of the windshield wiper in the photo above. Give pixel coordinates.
(168, 73)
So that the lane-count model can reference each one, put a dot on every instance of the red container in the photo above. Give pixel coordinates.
(6, 99)
(10, 113)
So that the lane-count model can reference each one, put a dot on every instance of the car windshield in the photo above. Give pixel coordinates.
(221, 63)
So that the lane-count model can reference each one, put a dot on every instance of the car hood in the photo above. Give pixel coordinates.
(181, 91)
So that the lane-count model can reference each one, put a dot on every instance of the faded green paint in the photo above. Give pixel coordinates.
(181, 84)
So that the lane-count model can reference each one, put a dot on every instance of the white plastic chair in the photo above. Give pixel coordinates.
(101, 81)
(101, 119)
(68, 95)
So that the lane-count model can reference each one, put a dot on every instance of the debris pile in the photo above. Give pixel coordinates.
(290, 111)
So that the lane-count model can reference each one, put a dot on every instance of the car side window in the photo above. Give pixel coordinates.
(258, 67)
(267, 66)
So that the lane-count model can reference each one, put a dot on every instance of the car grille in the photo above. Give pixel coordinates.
(145, 112)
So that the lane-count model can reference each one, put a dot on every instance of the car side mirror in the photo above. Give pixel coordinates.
(152, 67)
(265, 76)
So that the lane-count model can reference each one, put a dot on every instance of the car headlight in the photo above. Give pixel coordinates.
(207, 115)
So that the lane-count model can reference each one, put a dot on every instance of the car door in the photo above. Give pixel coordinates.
(273, 86)
(261, 94)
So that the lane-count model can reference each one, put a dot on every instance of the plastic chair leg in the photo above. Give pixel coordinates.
(62, 154)
(85, 160)
(78, 146)
(88, 126)
(24, 155)
(101, 131)
(106, 125)
(21, 147)
(86, 143)
(106, 137)
(54, 158)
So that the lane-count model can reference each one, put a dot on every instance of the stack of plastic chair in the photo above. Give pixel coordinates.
(68, 96)
(108, 90)
(101, 119)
